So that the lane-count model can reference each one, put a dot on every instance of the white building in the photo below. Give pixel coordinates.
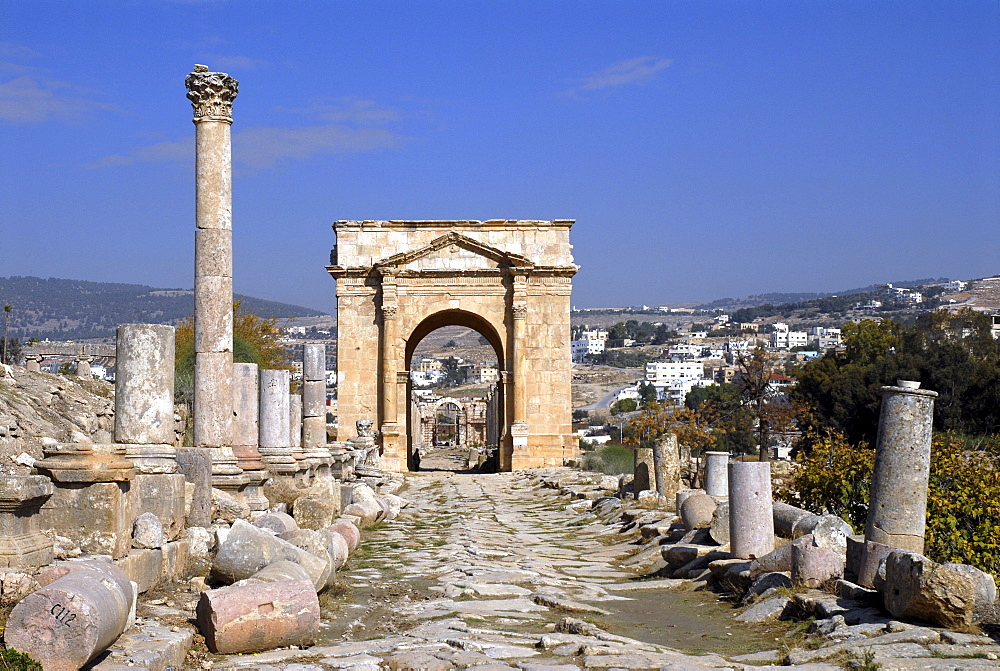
(824, 338)
(666, 371)
(676, 391)
(685, 350)
(590, 342)
(788, 339)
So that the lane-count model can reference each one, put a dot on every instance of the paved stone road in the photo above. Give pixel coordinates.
(485, 571)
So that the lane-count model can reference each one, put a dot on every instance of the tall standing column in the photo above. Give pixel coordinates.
(519, 425)
(898, 508)
(393, 452)
(211, 95)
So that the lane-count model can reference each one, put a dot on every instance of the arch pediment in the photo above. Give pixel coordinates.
(455, 252)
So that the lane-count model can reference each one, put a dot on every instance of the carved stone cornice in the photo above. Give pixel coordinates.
(211, 94)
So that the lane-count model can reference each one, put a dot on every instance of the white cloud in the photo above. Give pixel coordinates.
(632, 71)
(29, 99)
(263, 147)
(348, 109)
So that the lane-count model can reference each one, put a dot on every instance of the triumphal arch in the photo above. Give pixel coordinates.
(397, 281)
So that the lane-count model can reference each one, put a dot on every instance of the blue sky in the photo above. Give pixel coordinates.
(706, 149)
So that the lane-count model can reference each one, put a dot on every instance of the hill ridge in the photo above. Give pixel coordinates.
(65, 309)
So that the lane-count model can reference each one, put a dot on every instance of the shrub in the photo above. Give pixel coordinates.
(610, 459)
(12, 659)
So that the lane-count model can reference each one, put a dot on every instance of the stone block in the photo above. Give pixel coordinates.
(312, 512)
(697, 510)
(247, 549)
(985, 586)
(226, 508)
(94, 515)
(256, 617)
(177, 560)
(195, 464)
(161, 495)
(279, 523)
(916, 587)
(719, 529)
(147, 532)
(144, 568)
(368, 511)
(22, 543)
(813, 566)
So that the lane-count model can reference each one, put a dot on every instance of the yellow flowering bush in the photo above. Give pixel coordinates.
(963, 497)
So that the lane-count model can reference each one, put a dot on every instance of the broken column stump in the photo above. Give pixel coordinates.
(898, 510)
(751, 509)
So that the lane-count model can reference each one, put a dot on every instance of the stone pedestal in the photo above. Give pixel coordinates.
(341, 461)
(22, 543)
(90, 502)
(717, 473)
(898, 509)
(751, 517)
(274, 445)
(162, 495)
(33, 363)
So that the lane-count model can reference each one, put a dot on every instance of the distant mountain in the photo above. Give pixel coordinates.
(74, 310)
(781, 298)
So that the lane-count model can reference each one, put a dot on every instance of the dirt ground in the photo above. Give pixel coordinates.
(591, 382)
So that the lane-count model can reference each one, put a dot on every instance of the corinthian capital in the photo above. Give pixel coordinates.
(211, 94)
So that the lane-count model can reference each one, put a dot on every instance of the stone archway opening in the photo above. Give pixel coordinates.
(399, 280)
(455, 417)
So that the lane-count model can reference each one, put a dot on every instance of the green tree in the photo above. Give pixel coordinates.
(868, 341)
(647, 393)
(624, 405)
(452, 373)
(255, 340)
